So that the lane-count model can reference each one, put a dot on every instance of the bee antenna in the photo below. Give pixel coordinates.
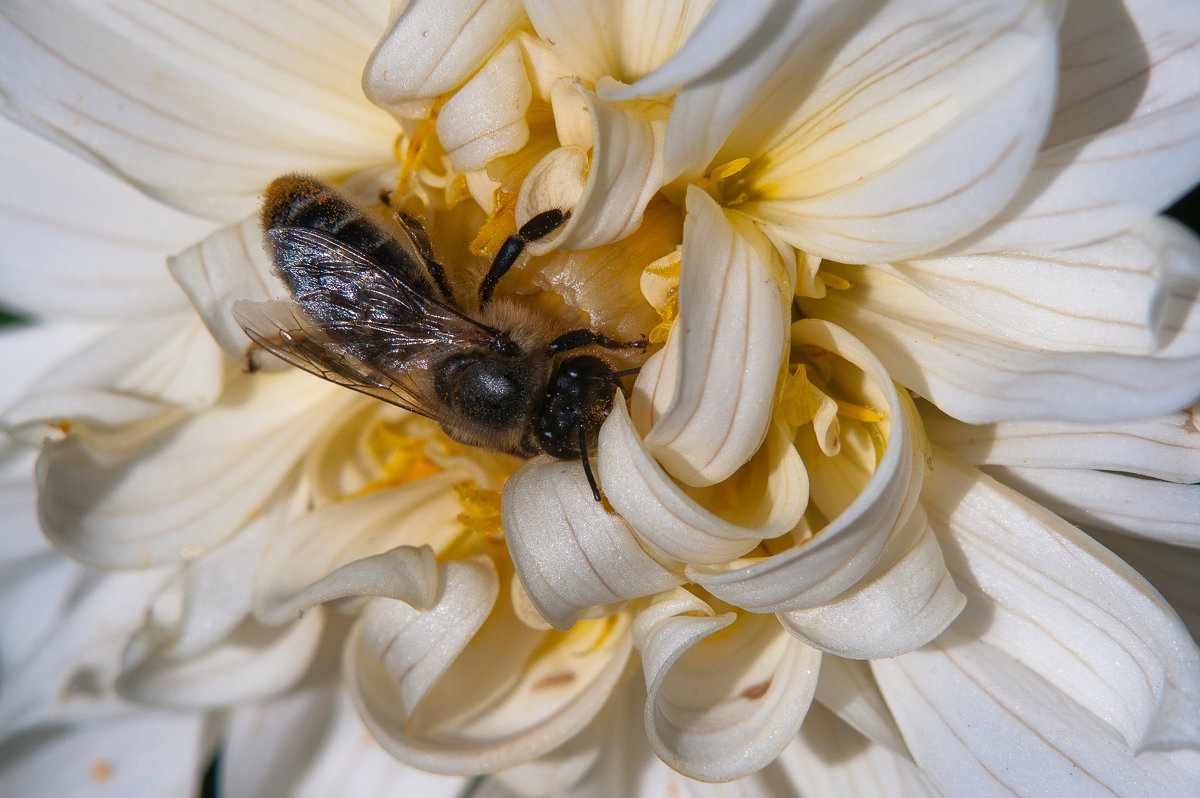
(616, 375)
(587, 466)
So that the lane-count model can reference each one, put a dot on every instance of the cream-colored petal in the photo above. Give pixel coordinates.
(907, 599)
(1167, 447)
(433, 46)
(485, 119)
(229, 266)
(570, 552)
(1051, 598)
(1174, 571)
(721, 706)
(734, 312)
(144, 370)
(832, 760)
(623, 40)
(625, 173)
(1132, 294)
(847, 689)
(513, 694)
(843, 552)
(199, 105)
(917, 130)
(388, 524)
(255, 662)
(417, 644)
(980, 376)
(694, 526)
(133, 497)
(1123, 143)
(1131, 505)
(57, 213)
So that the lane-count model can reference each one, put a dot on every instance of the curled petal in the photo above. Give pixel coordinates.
(195, 104)
(136, 496)
(512, 695)
(417, 645)
(1051, 598)
(255, 662)
(433, 46)
(708, 718)
(1167, 447)
(980, 375)
(732, 310)
(906, 600)
(306, 564)
(569, 551)
(843, 552)
(772, 491)
(1174, 572)
(485, 119)
(625, 173)
(1122, 144)
(226, 267)
(919, 128)
(1132, 294)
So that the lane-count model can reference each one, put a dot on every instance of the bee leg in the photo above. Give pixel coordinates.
(587, 465)
(538, 227)
(585, 337)
(420, 239)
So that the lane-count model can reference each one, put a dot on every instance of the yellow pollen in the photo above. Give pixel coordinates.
(400, 457)
(481, 511)
(729, 169)
(835, 282)
(660, 286)
(859, 412)
(412, 153)
(499, 226)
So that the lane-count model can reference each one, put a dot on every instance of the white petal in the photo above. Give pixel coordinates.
(433, 46)
(57, 213)
(625, 173)
(136, 372)
(1080, 620)
(831, 760)
(1123, 141)
(305, 564)
(1167, 447)
(918, 129)
(843, 552)
(226, 267)
(140, 755)
(417, 645)
(622, 40)
(133, 497)
(724, 707)
(980, 376)
(562, 768)
(569, 551)
(255, 662)
(511, 695)
(906, 600)
(1132, 294)
(1174, 572)
(978, 723)
(485, 119)
(732, 312)
(1147, 508)
(678, 526)
(31, 351)
(847, 689)
(197, 105)
(69, 674)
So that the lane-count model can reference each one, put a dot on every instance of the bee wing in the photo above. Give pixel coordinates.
(354, 322)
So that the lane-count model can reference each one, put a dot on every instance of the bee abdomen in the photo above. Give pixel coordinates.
(303, 201)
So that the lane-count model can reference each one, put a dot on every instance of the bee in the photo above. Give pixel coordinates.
(374, 311)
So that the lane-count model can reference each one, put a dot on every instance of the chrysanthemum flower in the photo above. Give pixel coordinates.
(913, 316)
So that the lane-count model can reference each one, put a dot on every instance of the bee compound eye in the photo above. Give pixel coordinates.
(490, 392)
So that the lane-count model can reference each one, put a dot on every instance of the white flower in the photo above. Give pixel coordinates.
(955, 196)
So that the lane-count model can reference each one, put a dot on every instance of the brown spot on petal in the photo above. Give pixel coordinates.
(100, 771)
(555, 680)
(756, 691)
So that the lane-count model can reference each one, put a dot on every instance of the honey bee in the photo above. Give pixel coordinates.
(375, 312)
